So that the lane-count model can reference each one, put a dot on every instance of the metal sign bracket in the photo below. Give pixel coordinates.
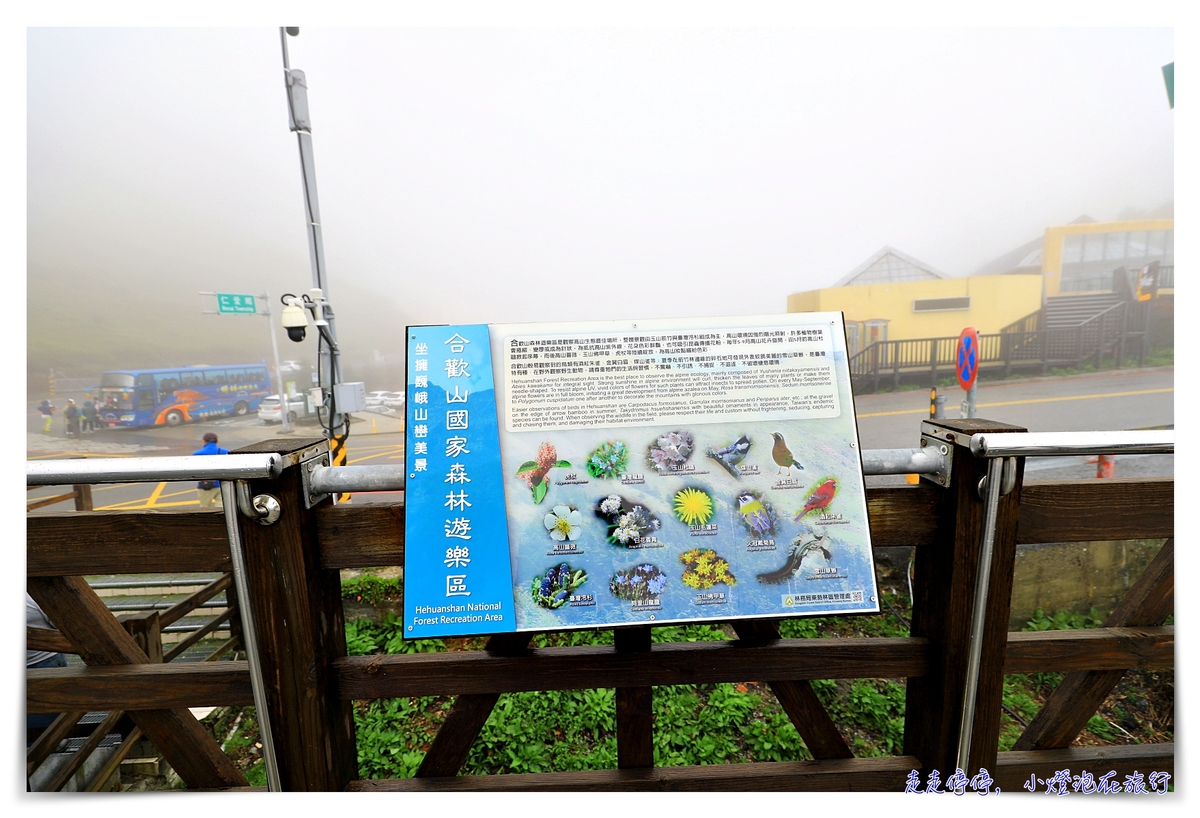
(319, 458)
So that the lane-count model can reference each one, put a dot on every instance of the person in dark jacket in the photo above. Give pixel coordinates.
(71, 413)
(89, 416)
(210, 490)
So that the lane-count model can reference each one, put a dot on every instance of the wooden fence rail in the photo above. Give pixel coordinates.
(311, 683)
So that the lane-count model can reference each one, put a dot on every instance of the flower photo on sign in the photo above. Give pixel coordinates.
(564, 523)
(628, 522)
(670, 452)
(554, 588)
(533, 472)
(704, 569)
(608, 461)
(641, 583)
(693, 506)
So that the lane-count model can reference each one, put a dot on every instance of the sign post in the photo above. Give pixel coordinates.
(244, 304)
(966, 366)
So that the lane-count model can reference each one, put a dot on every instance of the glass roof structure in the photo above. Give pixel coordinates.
(889, 266)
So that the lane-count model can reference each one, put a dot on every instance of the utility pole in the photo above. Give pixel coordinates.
(328, 364)
(284, 409)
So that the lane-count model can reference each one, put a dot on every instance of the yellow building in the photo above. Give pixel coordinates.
(893, 296)
(1080, 257)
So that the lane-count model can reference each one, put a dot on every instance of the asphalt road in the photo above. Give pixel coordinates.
(1129, 399)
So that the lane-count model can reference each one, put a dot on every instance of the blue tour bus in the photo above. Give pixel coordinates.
(157, 397)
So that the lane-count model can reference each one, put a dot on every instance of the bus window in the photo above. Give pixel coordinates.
(145, 379)
(215, 377)
(145, 399)
(167, 382)
(236, 375)
(257, 375)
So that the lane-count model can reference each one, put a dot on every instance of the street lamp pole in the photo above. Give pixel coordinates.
(328, 363)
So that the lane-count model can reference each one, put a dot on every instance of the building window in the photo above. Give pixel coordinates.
(962, 302)
(852, 345)
(1072, 249)
(1114, 247)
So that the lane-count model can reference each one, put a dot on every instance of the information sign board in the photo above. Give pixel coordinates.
(236, 303)
(966, 358)
(597, 474)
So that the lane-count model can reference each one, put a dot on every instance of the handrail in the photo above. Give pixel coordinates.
(157, 469)
(336, 479)
(1065, 444)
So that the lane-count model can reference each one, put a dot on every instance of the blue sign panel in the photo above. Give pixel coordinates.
(457, 577)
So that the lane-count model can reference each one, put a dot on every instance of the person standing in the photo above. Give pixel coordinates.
(210, 490)
(89, 416)
(71, 413)
(46, 408)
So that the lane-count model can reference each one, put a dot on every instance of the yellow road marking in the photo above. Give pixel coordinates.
(925, 410)
(140, 503)
(154, 495)
(373, 456)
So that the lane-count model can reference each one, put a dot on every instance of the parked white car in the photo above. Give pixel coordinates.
(270, 411)
(395, 400)
(377, 398)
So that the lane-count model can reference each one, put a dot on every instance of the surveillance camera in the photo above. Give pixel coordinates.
(294, 319)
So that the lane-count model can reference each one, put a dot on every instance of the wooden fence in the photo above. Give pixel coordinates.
(924, 360)
(292, 568)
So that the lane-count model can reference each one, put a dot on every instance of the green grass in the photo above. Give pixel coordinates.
(574, 730)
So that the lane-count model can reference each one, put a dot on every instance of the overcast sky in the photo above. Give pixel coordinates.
(485, 175)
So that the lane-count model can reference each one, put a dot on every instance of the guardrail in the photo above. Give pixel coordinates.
(304, 682)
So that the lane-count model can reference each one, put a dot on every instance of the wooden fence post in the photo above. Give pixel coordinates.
(635, 706)
(943, 595)
(297, 611)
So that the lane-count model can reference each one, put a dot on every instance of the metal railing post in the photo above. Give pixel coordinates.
(250, 635)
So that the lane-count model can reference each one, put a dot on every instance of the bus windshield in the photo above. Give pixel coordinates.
(120, 380)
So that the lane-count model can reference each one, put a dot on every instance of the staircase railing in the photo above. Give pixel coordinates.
(923, 360)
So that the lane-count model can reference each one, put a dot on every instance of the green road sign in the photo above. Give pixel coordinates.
(1169, 79)
(235, 303)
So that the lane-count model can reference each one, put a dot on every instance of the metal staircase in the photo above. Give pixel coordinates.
(1062, 311)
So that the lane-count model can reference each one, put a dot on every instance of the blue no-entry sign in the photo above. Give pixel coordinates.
(966, 359)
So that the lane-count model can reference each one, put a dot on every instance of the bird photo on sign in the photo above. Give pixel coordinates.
(731, 456)
(756, 513)
(818, 499)
(782, 455)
